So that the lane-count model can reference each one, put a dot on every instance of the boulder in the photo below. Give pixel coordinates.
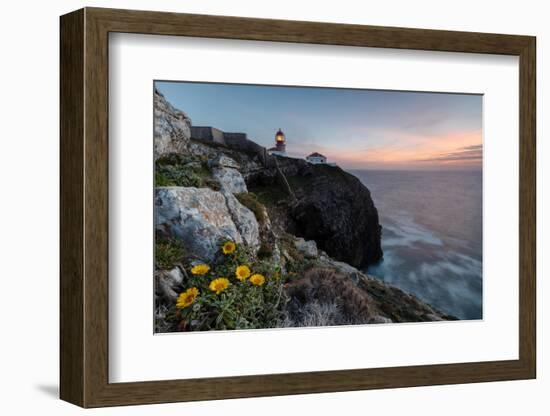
(307, 248)
(198, 217)
(353, 273)
(172, 128)
(244, 220)
(226, 171)
(168, 283)
(202, 218)
(223, 161)
(230, 180)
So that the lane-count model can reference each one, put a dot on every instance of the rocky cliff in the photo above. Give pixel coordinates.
(324, 204)
(306, 225)
(172, 128)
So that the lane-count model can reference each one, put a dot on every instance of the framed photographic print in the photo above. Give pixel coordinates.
(255, 207)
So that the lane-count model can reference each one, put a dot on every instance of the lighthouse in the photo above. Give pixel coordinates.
(280, 144)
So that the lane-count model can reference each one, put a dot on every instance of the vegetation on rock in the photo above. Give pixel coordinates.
(334, 297)
(250, 200)
(168, 253)
(237, 292)
(176, 170)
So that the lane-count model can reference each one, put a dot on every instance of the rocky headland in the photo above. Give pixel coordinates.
(314, 227)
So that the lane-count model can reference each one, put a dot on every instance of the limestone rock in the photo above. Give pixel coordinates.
(342, 267)
(172, 128)
(167, 283)
(223, 161)
(307, 248)
(245, 221)
(230, 180)
(200, 218)
(248, 164)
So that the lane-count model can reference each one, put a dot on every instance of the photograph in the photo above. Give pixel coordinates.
(293, 206)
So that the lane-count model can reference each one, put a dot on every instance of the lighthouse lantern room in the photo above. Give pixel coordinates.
(280, 144)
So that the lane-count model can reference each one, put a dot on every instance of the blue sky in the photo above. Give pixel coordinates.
(355, 128)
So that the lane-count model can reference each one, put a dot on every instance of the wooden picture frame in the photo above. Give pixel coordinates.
(84, 207)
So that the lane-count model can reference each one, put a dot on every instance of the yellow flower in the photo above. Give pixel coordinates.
(200, 269)
(229, 247)
(219, 285)
(257, 279)
(187, 298)
(242, 272)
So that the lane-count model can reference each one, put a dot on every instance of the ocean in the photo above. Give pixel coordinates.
(431, 235)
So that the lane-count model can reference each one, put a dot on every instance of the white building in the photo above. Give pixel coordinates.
(316, 159)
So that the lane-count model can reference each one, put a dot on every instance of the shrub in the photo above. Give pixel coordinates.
(177, 175)
(162, 180)
(174, 159)
(177, 170)
(168, 253)
(265, 251)
(328, 298)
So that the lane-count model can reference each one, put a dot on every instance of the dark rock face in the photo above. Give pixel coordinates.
(332, 207)
(336, 210)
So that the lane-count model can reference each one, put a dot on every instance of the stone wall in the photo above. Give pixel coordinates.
(233, 137)
(207, 133)
(238, 141)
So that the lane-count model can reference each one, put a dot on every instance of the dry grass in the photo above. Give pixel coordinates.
(317, 314)
(324, 297)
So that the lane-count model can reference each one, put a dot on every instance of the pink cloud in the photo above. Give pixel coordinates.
(400, 150)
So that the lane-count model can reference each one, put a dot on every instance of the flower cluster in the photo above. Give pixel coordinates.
(218, 284)
(238, 290)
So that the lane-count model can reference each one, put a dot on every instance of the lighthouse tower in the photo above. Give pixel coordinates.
(280, 144)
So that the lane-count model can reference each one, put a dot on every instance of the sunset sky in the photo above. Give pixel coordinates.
(358, 129)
